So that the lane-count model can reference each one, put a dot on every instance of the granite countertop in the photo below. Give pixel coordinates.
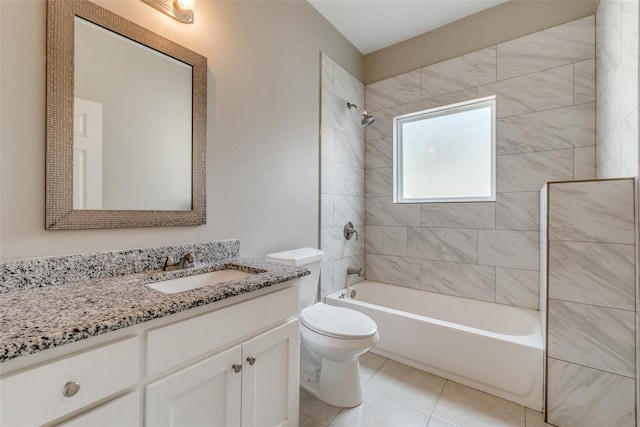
(33, 320)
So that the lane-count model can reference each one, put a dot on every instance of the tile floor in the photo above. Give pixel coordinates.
(396, 395)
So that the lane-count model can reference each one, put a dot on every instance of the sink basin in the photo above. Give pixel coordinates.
(182, 284)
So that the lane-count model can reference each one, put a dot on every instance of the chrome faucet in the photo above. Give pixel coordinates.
(359, 272)
(187, 261)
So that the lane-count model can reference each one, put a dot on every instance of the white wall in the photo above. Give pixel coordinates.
(262, 131)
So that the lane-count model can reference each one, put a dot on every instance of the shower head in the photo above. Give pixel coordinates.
(367, 118)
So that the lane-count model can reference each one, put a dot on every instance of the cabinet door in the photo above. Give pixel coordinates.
(121, 412)
(204, 394)
(270, 377)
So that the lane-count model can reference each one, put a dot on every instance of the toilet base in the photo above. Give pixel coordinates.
(339, 383)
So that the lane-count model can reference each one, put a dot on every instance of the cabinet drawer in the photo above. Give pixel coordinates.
(177, 343)
(121, 412)
(36, 396)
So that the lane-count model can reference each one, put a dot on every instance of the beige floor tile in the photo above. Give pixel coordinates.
(409, 385)
(316, 410)
(535, 419)
(369, 365)
(306, 421)
(467, 407)
(439, 422)
(382, 411)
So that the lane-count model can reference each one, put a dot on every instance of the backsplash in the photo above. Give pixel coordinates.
(51, 271)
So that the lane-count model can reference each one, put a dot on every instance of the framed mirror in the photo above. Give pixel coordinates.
(126, 123)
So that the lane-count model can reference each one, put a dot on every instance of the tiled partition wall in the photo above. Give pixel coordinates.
(591, 306)
(617, 101)
(545, 88)
(342, 176)
(617, 86)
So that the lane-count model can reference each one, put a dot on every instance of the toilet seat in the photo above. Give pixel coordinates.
(338, 322)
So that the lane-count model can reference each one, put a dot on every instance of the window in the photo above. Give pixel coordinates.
(446, 154)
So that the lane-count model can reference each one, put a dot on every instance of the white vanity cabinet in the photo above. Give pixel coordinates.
(204, 394)
(271, 378)
(177, 370)
(39, 395)
(121, 412)
(252, 384)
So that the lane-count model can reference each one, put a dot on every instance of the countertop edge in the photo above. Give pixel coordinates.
(35, 320)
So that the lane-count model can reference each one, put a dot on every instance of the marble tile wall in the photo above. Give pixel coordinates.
(617, 104)
(341, 177)
(605, 399)
(545, 88)
(591, 342)
(617, 88)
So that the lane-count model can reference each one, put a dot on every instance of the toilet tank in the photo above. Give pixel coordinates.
(304, 257)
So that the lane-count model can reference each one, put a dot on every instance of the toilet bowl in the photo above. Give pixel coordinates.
(331, 338)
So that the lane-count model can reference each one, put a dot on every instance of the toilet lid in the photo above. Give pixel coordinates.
(338, 321)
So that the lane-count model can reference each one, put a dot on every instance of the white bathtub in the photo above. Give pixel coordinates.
(491, 347)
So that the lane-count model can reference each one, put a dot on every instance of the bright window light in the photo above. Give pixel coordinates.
(446, 154)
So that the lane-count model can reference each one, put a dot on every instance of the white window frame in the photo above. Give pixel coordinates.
(398, 121)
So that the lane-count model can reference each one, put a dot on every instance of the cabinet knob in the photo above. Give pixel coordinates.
(71, 389)
(251, 360)
(236, 367)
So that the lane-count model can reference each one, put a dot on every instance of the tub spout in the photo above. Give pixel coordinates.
(359, 272)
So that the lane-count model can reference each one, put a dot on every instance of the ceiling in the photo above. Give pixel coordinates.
(374, 24)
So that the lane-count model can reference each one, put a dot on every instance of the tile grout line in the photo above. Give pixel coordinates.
(372, 375)
(591, 241)
(591, 367)
(433, 411)
(334, 418)
(493, 83)
(572, 147)
(378, 370)
(590, 305)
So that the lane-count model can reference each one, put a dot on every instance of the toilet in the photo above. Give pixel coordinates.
(331, 338)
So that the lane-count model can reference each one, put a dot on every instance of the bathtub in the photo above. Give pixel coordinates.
(491, 347)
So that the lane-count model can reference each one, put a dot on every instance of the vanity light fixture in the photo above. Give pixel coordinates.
(180, 10)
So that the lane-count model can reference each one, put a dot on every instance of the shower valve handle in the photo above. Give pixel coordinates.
(349, 231)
